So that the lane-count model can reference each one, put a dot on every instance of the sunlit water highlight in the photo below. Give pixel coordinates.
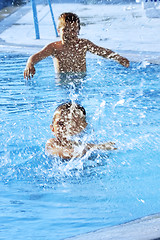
(46, 198)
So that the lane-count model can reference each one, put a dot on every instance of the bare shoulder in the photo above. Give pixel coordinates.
(53, 46)
(56, 45)
(51, 147)
(51, 142)
(84, 41)
(88, 43)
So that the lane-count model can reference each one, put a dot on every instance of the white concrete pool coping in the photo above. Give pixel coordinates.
(147, 228)
(122, 28)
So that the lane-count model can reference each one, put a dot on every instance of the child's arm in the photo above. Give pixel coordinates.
(52, 149)
(30, 69)
(101, 146)
(107, 53)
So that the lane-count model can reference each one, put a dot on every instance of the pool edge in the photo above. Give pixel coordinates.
(146, 228)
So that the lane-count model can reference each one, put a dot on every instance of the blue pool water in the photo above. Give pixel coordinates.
(46, 198)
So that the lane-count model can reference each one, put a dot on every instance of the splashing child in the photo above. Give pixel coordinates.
(70, 119)
(69, 53)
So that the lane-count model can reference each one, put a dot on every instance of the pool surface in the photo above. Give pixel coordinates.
(46, 198)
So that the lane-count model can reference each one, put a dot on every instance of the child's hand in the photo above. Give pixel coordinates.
(107, 146)
(29, 72)
(124, 62)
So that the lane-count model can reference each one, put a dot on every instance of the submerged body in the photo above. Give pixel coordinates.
(70, 119)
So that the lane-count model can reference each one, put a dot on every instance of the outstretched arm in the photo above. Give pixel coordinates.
(107, 53)
(52, 149)
(101, 146)
(30, 69)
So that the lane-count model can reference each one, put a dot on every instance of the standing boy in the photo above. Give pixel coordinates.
(70, 53)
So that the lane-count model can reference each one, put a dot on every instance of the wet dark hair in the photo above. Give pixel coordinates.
(70, 17)
(68, 105)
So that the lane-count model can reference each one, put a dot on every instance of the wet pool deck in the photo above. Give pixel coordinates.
(123, 28)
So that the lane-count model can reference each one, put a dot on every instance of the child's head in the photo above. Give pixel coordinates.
(69, 119)
(69, 24)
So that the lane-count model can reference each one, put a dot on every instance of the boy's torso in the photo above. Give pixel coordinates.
(70, 57)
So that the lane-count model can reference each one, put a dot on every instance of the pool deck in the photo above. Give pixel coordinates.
(122, 28)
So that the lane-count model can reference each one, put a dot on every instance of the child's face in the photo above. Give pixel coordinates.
(64, 125)
(68, 31)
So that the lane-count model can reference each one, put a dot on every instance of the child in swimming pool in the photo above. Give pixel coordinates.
(70, 53)
(70, 119)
